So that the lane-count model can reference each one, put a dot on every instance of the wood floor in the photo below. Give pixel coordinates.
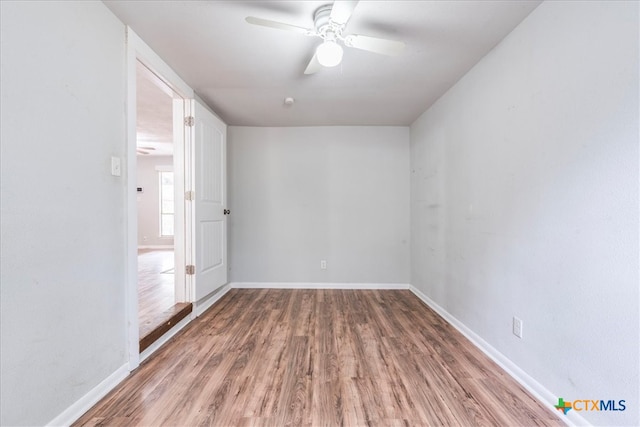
(319, 358)
(156, 293)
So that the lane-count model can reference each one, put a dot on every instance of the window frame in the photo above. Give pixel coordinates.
(161, 200)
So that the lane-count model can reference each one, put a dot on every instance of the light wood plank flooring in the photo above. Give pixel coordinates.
(156, 293)
(319, 358)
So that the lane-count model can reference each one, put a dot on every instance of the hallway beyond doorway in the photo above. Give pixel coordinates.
(156, 294)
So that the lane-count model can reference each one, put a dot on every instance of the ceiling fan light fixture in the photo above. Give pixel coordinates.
(329, 22)
(329, 53)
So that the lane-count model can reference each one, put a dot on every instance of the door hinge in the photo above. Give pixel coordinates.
(190, 195)
(190, 270)
(189, 121)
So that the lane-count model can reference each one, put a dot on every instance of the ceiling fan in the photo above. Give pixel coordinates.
(330, 21)
(144, 150)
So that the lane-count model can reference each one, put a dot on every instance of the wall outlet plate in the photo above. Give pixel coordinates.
(517, 327)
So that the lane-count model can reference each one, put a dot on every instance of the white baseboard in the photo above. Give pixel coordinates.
(166, 337)
(86, 402)
(309, 285)
(205, 303)
(534, 387)
(155, 246)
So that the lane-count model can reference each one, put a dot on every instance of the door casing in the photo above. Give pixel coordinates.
(138, 50)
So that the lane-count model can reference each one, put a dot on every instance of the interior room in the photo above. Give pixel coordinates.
(372, 212)
(159, 304)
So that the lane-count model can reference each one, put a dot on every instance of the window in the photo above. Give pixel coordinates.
(166, 204)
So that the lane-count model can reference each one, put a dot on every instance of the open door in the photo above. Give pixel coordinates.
(208, 203)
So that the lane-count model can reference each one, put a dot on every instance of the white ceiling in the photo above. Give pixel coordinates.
(154, 114)
(244, 71)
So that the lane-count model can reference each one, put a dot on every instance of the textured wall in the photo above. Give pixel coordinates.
(299, 195)
(524, 201)
(62, 253)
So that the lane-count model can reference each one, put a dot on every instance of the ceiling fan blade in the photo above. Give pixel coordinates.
(314, 66)
(279, 25)
(342, 10)
(374, 44)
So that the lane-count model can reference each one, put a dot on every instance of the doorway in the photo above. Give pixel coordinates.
(199, 181)
(161, 298)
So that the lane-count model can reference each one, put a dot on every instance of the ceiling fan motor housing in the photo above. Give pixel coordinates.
(326, 28)
(329, 22)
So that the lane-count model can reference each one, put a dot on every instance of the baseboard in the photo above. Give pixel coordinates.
(205, 303)
(86, 402)
(309, 285)
(166, 337)
(155, 246)
(531, 385)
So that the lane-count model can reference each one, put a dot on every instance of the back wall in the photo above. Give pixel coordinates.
(149, 200)
(300, 195)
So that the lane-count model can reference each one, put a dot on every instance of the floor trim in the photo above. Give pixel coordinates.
(311, 285)
(531, 385)
(169, 322)
(197, 309)
(86, 402)
(205, 303)
(166, 337)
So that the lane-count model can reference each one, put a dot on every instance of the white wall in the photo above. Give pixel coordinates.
(299, 195)
(524, 201)
(149, 201)
(62, 247)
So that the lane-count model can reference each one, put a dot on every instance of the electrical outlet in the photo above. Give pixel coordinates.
(517, 327)
(323, 264)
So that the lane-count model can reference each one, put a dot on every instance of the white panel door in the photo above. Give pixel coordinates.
(209, 186)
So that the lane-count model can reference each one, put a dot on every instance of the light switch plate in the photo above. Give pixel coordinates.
(115, 166)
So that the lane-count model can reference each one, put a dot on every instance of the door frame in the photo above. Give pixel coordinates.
(138, 50)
